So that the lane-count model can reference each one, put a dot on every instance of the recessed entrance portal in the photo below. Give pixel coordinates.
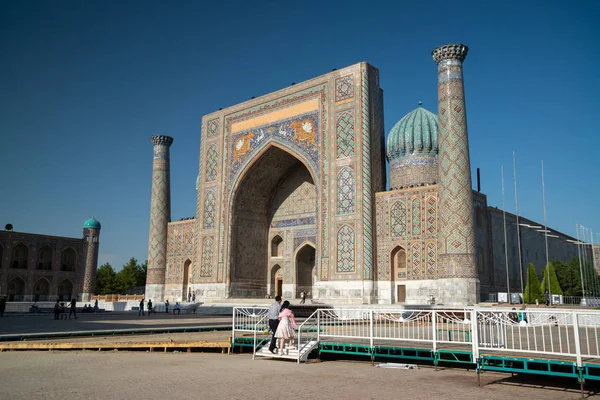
(399, 270)
(186, 291)
(275, 200)
(305, 268)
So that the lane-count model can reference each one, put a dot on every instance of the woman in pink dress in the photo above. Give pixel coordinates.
(285, 330)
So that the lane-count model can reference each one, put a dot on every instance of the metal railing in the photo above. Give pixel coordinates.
(560, 333)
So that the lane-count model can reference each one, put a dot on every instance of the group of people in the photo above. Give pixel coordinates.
(151, 309)
(282, 323)
(60, 309)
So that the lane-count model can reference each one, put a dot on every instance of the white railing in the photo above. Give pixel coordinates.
(308, 333)
(246, 319)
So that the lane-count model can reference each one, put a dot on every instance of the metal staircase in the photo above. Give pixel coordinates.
(292, 353)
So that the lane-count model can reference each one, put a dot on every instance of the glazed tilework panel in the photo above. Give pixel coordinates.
(346, 191)
(398, 220)
(180, 247)
(212, 127)
(212, 161)
(345, 249)
(295, 197)
(344, 88)
(207, 257)
(345, 134)
(395, 212)
(301, 133)
(209, 209)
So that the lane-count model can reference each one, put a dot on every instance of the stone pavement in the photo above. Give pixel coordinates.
(45, 323)
(147, 376)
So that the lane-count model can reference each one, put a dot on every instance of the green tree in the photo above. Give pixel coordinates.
(532, 287)
(105, 276)
(554, 284)
(569, 276)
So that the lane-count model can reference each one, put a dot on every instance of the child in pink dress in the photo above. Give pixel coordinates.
(285, 330)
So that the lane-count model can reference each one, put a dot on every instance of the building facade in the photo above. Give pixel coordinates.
(291, 197)
(46, 268)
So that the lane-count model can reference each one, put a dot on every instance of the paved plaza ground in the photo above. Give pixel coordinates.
(45, 323)
(140, 375)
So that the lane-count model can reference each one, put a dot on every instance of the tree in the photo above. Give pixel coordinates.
(532, 287)
(105, 276)
(569, 276)
(554, 284)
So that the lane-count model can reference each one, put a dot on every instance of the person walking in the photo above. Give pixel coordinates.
(167, 305)
(285, 329)
(273, 315)
(302, 297)
(56, 310)
(73, 308)
(141, 312)
(2, 306)
(547, 297)
(150, 307)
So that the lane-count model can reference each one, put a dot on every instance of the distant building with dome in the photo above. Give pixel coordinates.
(291, 197)
(36, 267)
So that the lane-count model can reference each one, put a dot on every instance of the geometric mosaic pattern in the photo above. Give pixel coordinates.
(431, 253)
(431, 215)
(344, 88)
(211, 164)
(345, 249)
(457, 242)
(213, 127)
(416, 260)
(345, 187)
(209, 209)
(345, 135)
(416, 217)
(207, 256)
(398, 219)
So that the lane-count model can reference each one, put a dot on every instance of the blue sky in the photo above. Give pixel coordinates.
(84, 84)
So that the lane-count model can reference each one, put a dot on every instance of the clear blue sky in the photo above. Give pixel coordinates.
(84, 84)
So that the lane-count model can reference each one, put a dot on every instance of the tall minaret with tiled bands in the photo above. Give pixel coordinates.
(456, 269)
(160, 216)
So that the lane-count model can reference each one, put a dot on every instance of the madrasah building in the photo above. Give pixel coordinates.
(291, 197)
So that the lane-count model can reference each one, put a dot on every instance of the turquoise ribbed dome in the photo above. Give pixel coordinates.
(92, 223)
(416, 133)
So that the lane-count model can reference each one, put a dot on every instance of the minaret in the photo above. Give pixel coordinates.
(456, 237)
(160, 216)
(91, 235)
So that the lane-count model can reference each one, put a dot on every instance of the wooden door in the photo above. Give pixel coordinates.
(401, 295)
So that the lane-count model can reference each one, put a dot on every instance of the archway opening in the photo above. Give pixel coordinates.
(276, 193)
(19, 257)
(45, 258)
(16, 289)
(276, 281)
(305, 269)
(65, 290)
(67, 260)
(277, 246)
(41, 290)
(399, 272)
(186, 290)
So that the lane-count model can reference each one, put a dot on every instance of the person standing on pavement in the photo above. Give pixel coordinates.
(56, 310)
(2, 306)
(141, 312)
(167, 305)
(73, 308)
(302, 297)
(149, 306)
(273, 316)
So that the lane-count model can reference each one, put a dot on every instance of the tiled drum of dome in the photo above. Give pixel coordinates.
(345, 135)
(209, 209)
(345, 189)
(211, 163)
(207, 256)
(345, 249)
(398, 220)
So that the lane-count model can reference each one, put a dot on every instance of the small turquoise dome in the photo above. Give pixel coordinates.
(92, 223)
(415, 134)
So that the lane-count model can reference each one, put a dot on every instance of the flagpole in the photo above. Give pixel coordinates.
(580, 267)
(518, 226)
(505, 244)
(546, 232)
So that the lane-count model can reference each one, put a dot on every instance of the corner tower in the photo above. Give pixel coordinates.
(456, 263)
(91, 235)
(160, 215)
